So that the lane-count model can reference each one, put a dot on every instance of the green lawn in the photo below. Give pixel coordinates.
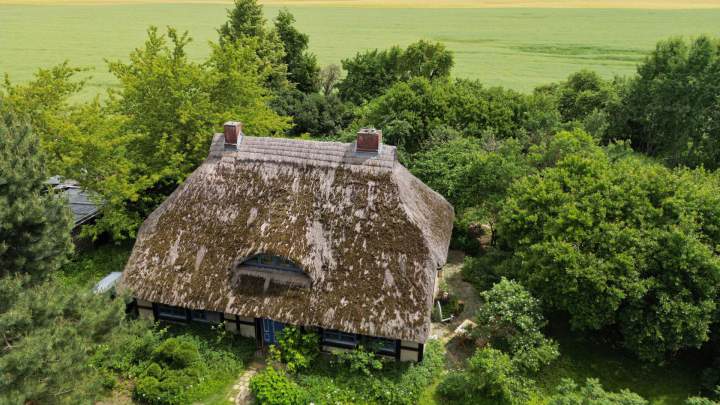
(580, 359)
(516, 48)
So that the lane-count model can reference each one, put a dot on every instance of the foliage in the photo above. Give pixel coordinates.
(182, 365)
(174, 105)
(359, 360)
(671, 109)
(582, 95)
(370, 73)
(474, 176)
(86, 267)
(49, 332)
(570, 393)
(395, 383)
(700, 401)
(328, 78)
(302, 66)
(295, 348)
(490, 374)
(83, 142)
(246, 23)
(273, 387)
(626, 243)
(315, 114)
(35, 230)
(510, 320)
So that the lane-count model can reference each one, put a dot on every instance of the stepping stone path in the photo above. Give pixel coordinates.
(241, 388)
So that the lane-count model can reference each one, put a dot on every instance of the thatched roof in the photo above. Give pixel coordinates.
(368, 234)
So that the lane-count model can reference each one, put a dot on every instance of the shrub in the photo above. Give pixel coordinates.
(490, 374)
(570, 393)
(510, 320)
(455, 387)
(295, 348)
(359, 360)
(176, 353)
(273, 387)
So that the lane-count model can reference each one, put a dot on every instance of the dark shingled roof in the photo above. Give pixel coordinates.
(79, 200)
(368, 234)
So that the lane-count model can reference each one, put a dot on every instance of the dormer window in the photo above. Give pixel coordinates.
(272, 262)
(274, 269)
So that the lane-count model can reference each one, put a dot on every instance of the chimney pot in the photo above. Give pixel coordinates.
(368, 140)
(233, 131)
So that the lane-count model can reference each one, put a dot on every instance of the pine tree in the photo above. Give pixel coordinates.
(34, 222)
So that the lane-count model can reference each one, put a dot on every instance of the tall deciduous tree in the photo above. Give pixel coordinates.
(672, 109)
(370, 73)
(35, 223)
(618, 242)
(173, 104)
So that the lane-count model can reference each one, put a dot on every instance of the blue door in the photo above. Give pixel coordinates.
(270, 330)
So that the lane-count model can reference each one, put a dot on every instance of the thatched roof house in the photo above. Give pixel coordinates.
(351, 239)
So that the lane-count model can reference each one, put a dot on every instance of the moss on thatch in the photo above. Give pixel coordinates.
(368, 234)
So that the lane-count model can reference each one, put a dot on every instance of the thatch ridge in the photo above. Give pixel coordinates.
(369, 235)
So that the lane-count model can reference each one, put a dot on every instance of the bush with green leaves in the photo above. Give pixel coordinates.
(274, 387)
(296, 348)
(570, 393)
(360, 360)
(491, 374)
(511, 320)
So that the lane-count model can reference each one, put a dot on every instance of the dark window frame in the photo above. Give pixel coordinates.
(172, 313)
(272, 262)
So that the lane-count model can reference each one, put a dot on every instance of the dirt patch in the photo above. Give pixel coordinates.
(457, 350)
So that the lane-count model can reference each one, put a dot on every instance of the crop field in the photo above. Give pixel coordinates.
(518, 47)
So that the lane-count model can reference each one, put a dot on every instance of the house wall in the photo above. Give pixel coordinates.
(145, 309)
(245, 326)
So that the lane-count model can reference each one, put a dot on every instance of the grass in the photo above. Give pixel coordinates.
(86, 267)
(581, 359)
(516, 48)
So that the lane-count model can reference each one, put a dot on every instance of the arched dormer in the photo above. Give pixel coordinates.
(273, 268)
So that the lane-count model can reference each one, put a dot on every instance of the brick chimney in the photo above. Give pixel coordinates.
(368, 140)
(233, 131)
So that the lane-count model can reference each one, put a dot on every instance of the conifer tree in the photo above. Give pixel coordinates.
(34, 222)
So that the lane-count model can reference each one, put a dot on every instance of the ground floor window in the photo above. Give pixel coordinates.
(205, 316)
(171, 313)
(339, 338)
(382, 345)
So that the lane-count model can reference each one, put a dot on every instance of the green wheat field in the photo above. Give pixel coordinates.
(516, 48)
